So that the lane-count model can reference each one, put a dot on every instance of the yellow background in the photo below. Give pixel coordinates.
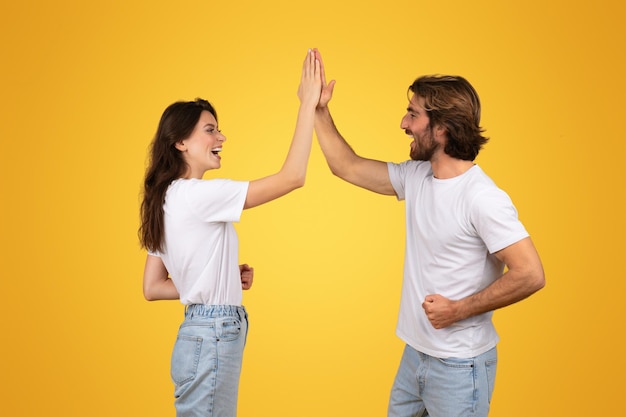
(83, 85)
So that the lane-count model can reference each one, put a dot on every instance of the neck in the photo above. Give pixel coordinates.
(445, 167)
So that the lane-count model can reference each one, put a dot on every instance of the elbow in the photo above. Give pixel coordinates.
(335, 171)
(341, 169)
(291, 179)
(300, 183)
(334, 166)
(538, 281)
(149, 295)
(338, 172)
(297, 181)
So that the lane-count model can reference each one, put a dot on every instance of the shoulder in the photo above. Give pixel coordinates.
(199, 185)
(200, 191)
(479, 184)
(485, 195)
(410, 167)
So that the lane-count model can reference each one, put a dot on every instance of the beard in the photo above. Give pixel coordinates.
(425, 146)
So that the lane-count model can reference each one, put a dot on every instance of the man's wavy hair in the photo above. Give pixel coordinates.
(452, 103)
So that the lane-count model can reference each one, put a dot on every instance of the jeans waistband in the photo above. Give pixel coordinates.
(214, 311)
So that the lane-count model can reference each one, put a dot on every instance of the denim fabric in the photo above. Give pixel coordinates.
(434, 387)
(206, 360)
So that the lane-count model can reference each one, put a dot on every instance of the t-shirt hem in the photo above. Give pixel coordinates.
(446, 354)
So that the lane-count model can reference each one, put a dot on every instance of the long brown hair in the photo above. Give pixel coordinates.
(166, 164)
(451, 102)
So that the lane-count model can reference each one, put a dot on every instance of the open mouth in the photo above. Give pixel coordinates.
(216, 151)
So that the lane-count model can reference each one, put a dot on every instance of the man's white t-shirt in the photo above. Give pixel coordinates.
(201, 251)
(453, 227)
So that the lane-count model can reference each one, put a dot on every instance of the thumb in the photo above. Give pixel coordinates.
(331, 86)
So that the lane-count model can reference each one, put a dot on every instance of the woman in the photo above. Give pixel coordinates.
(187, 229)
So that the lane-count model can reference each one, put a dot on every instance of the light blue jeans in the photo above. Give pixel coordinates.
(206, 360)
(452, 387)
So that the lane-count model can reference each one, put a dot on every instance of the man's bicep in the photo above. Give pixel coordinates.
(520, 255)
(372, 175)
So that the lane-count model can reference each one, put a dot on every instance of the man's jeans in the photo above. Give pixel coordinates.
(452, 387)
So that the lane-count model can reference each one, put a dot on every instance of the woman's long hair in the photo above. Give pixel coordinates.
(166, 164)
(452, 102)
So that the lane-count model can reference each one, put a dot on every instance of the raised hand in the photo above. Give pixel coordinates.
(311, 82)
(327, 89)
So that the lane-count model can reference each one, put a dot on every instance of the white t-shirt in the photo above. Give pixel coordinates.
(201, 251)
(453, 227)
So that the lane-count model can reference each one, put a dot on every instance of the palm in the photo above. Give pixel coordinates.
(325, 96)
(327, 89)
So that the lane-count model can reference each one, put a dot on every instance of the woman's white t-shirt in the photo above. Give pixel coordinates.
(201, 250)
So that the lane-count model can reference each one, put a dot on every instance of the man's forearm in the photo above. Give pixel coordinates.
(339, 155)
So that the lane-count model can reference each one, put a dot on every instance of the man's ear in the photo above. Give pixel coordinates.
(441, 131)
(180, 145)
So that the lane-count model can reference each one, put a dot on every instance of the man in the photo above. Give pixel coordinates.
(462, 231)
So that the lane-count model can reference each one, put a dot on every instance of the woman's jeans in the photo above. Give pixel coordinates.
(206, 360)
(434, 387)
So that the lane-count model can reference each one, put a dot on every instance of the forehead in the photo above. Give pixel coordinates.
(206, 118)
(416, 102)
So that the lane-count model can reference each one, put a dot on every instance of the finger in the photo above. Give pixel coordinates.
(305, 66)
(331, 87)
(246, 283)
(310, 62)
(322, 70)
(318, 70)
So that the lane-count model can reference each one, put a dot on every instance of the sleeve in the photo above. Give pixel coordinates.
(496, 221)
(397, 174)
(408, 172)
(218, 200)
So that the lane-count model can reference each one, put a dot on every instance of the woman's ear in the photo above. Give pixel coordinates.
(180, 145)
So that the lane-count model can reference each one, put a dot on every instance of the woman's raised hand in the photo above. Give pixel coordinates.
(311, 81)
